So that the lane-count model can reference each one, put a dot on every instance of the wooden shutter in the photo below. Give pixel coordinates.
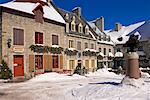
(50, 61)
(47, 63)
(31, 63)
(61, 61)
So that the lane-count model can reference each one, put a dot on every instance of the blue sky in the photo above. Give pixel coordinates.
(124, 11)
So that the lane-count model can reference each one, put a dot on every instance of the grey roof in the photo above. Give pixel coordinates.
(77, 21)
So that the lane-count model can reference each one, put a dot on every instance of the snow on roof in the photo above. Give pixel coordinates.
(106, 42)
(94, 26)
(98, 32)
(123, 32)
(49, 11)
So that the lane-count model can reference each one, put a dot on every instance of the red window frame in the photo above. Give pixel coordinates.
(38, 38)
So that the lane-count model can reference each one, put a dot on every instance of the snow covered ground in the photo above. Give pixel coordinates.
(100, 85)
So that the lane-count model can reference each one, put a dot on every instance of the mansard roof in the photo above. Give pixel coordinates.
(77, 21)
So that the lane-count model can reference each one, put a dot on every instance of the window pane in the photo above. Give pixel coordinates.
(92, 46)
(38, 38)
(104, 51)
(71, 44)
(86, 45)
(39, 62)
(18, 36)
(54, 40)
(71, 64)
(55, 61)
(79, 45)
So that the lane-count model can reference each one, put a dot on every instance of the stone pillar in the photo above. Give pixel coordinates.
(133, 70)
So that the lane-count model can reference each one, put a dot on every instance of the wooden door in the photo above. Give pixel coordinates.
(55, 61)
(18, 65)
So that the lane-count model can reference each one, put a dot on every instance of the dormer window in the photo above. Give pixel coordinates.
(94, 28)
(80, 29)
(86, 29)
(73, 18)
(67, 16)
(108, 38)
(73, 26)
(100, 37)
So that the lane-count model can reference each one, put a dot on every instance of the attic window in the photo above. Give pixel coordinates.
(67, 16)
(86, 29)
(80, 28)
(38, 12)
(73, 27)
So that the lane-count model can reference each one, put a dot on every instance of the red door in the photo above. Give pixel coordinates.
(18, 65)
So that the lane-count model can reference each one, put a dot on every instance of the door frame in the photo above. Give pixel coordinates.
(14, 66)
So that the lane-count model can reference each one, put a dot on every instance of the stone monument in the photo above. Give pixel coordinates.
(133, 70)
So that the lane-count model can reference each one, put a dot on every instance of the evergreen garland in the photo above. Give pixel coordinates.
(46, 49)
(71, 52)
(89, 53)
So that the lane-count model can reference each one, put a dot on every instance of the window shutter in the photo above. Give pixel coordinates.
(50, 61)
(31, 63)
(61, 61)
(47, 63)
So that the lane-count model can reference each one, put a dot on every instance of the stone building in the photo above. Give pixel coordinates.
(105, 45)
(31, 35)
(79, 41)
(38, 37)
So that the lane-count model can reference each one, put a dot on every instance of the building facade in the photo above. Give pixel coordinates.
(38, 37)
(29, 37)
(80, 42)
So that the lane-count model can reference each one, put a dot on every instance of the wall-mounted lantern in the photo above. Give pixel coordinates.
(9, 43)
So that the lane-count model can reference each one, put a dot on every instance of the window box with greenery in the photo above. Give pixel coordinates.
(56, 50)
(70, 52)
(89, 53)
(46, 49)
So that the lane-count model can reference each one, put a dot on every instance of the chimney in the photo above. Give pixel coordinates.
(118, 26)
(48, 1)
(100, 23)
(77, 11)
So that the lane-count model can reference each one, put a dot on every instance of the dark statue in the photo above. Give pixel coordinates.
(132, 43)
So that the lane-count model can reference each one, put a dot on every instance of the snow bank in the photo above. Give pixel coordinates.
(145, 75)
(133, 82)
(102, 73)
(55, 77)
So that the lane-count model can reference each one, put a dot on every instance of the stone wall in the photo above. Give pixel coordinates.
(10, 21)
(82, 58)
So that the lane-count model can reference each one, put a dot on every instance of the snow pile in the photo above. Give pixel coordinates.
(102, 73)
(133, 82)
(55, 77)
(145, 75)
